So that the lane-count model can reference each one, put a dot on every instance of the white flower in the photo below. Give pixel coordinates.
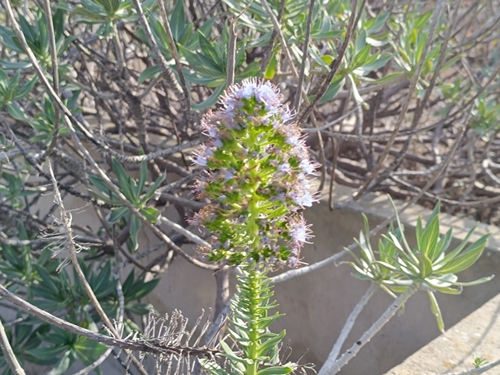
(213, 131)
(301, 198)
(200, 160)
(284, 168)
(201, 157)
(299, 231)
(247, 90)
(306, 166)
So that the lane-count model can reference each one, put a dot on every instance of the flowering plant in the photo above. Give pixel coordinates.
(257, 178)
(257, 181)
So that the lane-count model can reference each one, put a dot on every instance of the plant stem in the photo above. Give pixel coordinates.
(253, 334)
(348, 326)
(333, 368)
(8, 353)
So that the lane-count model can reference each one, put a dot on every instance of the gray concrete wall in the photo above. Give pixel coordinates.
(317, 304)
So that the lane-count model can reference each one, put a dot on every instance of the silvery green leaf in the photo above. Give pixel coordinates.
(451, 255)
(482, 280)
(467, 258)
(424, 265)
(436, 311)
(443, 288)
(429, 238)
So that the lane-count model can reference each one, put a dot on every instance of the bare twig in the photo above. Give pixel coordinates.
(334, 368)
(173, 48)
(69, 118)
(139, 345)
(406, 104)
(8, 353)
(304, 270)
(190, 236)
(423, 103)
(332, 357)
(68, 231)
(281, 37)
(167, 72)
(305, 54)
(335, 65)
(55, 77)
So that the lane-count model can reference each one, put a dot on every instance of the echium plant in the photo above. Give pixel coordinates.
(257, 181)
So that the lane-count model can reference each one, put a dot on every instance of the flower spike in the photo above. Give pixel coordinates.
(257, 179)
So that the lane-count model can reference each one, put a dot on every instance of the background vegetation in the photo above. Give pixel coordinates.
(101, 101)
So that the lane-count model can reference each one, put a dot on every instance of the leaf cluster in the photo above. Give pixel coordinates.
(431, 264)
(37, 275)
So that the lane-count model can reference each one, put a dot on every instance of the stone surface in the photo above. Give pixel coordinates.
(477, 335)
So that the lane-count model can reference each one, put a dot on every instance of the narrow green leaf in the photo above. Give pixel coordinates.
(337, 83)
(178, 20)
(378, 63)
(207, 48)
(355, 92)
(150, 213)
(419, 231)
(25, 89)
(436, 311)
(125, 181)
(152, 189)
(429, 237)
(47, 281)
(441, 287)
(210, 102)
(360, 57)
(401, 229)
(62, 365)
(141, 289)
(480, 281)
(149, 73)
(140, 308)
(271, 67)
(117, 213)
(236, 361)
(129, 282)
(143, 176)
(270, 343)
(424, 265)
(87, 350)
(9, 40)
(51, 351)
(452, 254)
(438, 250)
(135, 226)
(276, 370)
(15, 64)
(467, 258)
(16, 112)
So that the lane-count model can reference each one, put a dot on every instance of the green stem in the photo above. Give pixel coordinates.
(253, 226)
(253, 334)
